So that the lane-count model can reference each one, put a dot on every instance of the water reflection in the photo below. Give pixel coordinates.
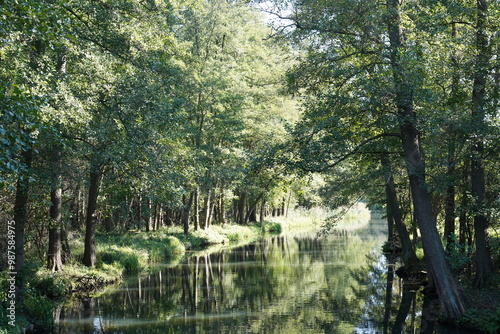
(287, 284)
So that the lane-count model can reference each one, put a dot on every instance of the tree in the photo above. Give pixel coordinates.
(367, 90)
(483, 55)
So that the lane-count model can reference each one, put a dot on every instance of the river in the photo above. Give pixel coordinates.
(283, 284)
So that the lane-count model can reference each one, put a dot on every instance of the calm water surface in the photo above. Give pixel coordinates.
(287, 284)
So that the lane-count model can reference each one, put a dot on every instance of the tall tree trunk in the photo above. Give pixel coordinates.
(54, 259)
(211, 213)
(283, 205)
(449, 209)
(66, 249)
(139, 211)
(262, 211)
(21, 213)
(149, 219)
(463, 224)
(451, 137)
(23, 186)
(441, 277)
(394, 211)
(186, 212)
(197, 209)
(206, 210)
(241, 208)
(222, 210)
(89, 253)
(483, 256)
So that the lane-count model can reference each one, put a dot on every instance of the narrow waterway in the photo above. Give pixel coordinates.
(286, 284)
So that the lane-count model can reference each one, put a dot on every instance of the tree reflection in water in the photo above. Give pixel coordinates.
(287, 284)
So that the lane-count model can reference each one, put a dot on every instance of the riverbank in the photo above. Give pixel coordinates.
(118, 255)
(138, 253)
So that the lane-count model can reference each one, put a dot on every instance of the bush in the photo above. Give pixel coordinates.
(38, 309)
(273, 227)
(50, 285)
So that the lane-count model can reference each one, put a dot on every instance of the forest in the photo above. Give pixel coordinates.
(128, 115)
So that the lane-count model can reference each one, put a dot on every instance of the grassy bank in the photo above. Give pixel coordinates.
(133, 252)
(136, 252)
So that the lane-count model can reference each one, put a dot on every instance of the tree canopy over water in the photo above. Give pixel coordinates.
(124, 114)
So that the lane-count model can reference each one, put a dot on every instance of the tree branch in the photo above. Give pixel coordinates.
(363, 143)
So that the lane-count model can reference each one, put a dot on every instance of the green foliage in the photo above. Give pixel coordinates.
(495, 248)
(38, 309)
(50, 285)
(273, 227)
(458, 255)
(487, 321)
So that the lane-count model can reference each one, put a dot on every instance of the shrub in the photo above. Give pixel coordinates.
(274, 227)
(50, 285)
(38, 308)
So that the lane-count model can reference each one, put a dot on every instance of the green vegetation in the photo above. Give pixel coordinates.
(126, 125)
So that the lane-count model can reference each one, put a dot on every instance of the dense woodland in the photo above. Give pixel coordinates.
(133, 115)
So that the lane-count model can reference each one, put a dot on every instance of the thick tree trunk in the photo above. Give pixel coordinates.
(89, 253)
(211, 214)
(394, 211)
(483, 256)
(251, 213)
(439, 270)
(54, 259)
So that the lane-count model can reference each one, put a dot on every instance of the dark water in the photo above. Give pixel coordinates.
(286, 284)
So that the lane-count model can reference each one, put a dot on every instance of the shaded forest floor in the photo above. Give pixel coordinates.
(484, 308)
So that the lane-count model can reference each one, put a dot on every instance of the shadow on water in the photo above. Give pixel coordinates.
(286, 284)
